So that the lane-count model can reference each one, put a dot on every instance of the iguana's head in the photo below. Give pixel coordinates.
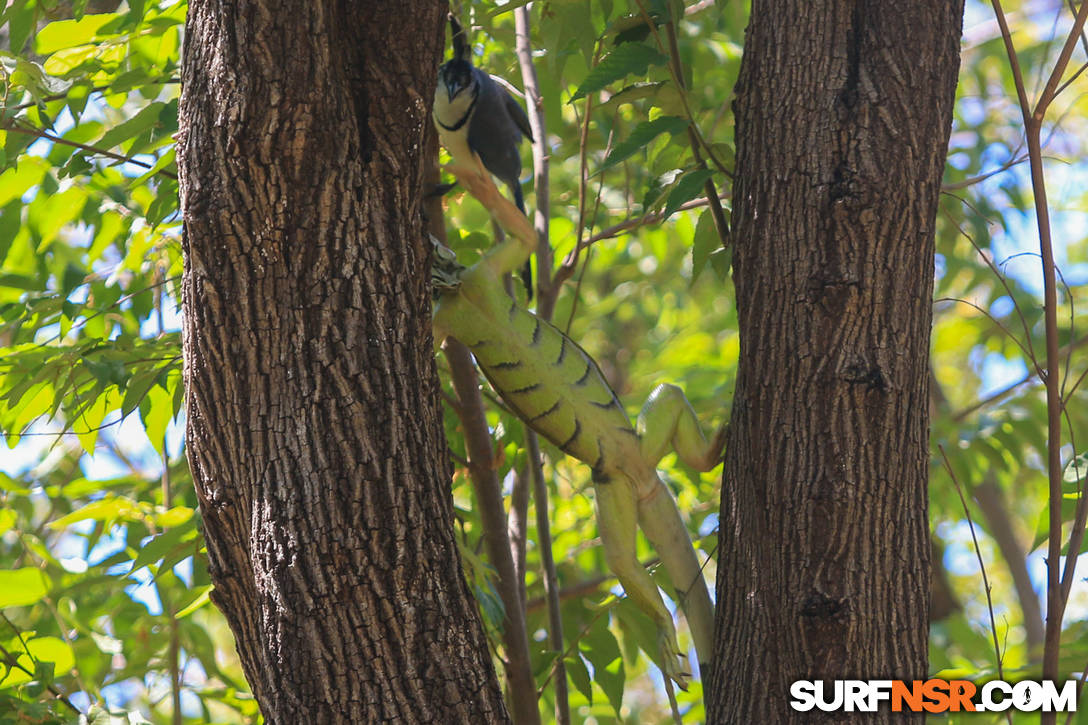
(445, 270)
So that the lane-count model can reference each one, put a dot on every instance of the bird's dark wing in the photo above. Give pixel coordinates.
(517, 113)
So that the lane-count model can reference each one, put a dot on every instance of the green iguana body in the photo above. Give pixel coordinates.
(557, 389)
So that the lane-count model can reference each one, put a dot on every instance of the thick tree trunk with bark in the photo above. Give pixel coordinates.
(843, 112)
(314, 432)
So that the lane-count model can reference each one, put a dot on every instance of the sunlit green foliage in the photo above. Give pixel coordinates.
(101, 570)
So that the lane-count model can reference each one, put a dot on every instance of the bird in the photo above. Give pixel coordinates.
(474, 114)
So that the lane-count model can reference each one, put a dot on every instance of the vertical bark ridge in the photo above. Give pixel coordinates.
(843, 115)
(314, 432)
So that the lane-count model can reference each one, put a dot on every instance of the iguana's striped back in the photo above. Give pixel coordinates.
(551, 383)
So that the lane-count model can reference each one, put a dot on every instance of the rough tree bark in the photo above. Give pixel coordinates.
(314, 433)
(842, 122)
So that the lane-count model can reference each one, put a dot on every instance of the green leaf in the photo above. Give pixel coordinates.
(10, 223)
(62, 34)
(579, 675)
(143, 120)
(641, 137)
(603, 652)
(136, 389)
(158, 546)
(203, 596)
(22, 587)
(44, 672)
(632, 93)
(7, 520)
(108, 510)
(627, 59)
(27, 74)
(156, 412)
(687, 188)
(40, 649)
(721, 260)
(15, 182)
(705, 241)
(106, 371)
(22, 17)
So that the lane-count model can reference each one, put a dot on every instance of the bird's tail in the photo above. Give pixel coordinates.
(527, 271)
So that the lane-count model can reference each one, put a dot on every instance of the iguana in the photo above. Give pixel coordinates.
(556, 388)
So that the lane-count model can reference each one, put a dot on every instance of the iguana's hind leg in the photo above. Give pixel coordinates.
(660, 521)
(617, 519)
(668, 420)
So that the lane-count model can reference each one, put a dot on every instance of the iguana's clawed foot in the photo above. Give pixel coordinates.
(674, 663)
(439, 190)
(716, 448)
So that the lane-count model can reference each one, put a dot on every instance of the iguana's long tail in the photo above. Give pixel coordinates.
(661, 522)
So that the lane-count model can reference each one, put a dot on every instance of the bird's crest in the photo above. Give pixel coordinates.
(461, 47)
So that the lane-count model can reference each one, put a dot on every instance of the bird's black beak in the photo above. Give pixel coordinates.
(452, 89)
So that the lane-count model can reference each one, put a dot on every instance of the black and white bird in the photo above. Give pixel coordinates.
(474, 114)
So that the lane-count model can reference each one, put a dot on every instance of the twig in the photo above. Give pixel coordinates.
(566, 269)
(42, 133)
(1080, 692)
(982, 567)
(496, 537)
(547, 294)
(488, 491)
(694, 138)
(982, 177)
(634, 222)
(997, 324)
(1071, 78)
(174, 651)
(1033, 120)
(95, 89)
(581, 242)
(1004, 283)
(698, 7)
(13, 661)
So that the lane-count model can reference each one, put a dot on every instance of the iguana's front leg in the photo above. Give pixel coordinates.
(512, 253)
(667, 420)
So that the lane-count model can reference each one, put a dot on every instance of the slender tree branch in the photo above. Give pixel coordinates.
(1004, 283)
(634, 222)
(1014, 61)
(13, 661)
(1070, 80)
(694, 138)
(1060, 65)
(982, 177)
(174, 651)
(1080, 693)
(492, 512)
(982, 568)
(95, 89)
(547, 294)
(15, 127)
(1033, 121)
(488, 491)
(994, 507)
(566, 269)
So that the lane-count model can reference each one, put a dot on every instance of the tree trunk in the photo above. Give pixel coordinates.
(843, 112)
(314, 433)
